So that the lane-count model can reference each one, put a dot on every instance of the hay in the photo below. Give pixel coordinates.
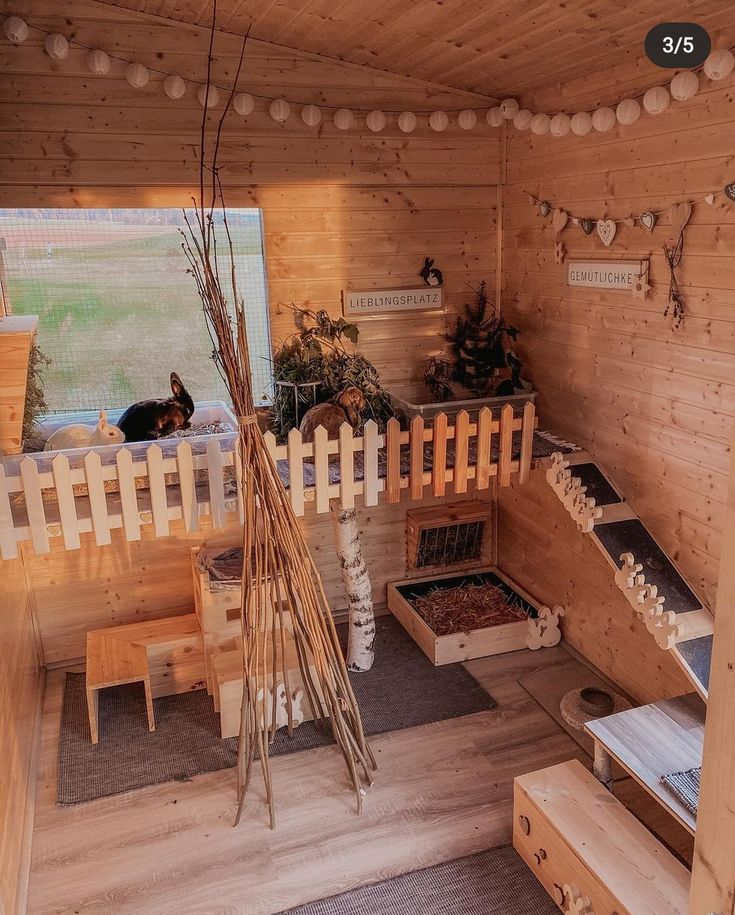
(467, 607)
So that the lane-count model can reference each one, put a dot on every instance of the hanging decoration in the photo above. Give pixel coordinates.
(655, 100)
(641, 287)
(730, 191)
(606, 229)
(544, 207)
(587, 225)
(648, 220)
(559, 252)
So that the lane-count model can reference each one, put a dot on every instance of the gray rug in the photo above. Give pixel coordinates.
(402, 690)
(495, 882)
(685, 786)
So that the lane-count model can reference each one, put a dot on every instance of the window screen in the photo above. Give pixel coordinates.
(118, 312)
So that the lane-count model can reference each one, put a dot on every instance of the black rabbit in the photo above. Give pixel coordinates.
(430, 274)
(151, 419)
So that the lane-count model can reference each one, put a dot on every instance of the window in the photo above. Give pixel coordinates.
(118, 312)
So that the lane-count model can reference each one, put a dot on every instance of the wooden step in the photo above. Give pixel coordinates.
(656, 740)
(580, 842)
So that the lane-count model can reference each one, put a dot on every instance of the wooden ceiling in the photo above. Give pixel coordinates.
(496, 47)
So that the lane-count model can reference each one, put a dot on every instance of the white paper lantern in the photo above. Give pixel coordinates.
(719, 64)
(656, 100)
(98, 62)
(603, 119)
(628, 112)
(522, 119)
(57, 47)
(208, 99)
(581, 124)
(343, 119)
(243, 103)
(174, 86)
(311, 115)
(16, 29)
(137, 75)
(438, 121)
(494, 117)
(540, 124)
(467, 119)
(279, 110)
(509, 108)
(407, 121)
(560, 125)
(684, 85)
(376, 121)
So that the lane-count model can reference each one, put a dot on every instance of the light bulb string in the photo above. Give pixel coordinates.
(632, 217)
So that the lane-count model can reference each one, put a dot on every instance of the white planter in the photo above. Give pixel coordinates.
(428, 410)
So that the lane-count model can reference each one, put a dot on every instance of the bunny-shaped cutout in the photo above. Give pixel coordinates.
(430, 274)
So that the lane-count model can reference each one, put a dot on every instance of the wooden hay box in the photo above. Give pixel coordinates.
(460, 646)
(449, 536)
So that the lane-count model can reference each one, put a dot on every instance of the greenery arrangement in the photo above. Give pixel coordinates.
(314, 364)
(483, 361)
(35, 403)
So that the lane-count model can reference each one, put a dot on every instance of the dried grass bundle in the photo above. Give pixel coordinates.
(467, 607)
(282, 581)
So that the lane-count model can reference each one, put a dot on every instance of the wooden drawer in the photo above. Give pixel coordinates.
(571, 831)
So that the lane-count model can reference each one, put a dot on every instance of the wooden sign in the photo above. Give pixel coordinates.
(378, 301)
(605, 274)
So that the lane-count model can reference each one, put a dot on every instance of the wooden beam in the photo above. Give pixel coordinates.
(713, 874)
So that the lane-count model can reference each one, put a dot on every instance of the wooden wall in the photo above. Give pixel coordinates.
(654, 404)
(20, 695)
(342, 209)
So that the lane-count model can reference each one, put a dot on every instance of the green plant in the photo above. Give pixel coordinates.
(35, 402)
(317, 357)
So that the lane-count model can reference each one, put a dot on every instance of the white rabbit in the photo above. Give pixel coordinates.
(77, 435)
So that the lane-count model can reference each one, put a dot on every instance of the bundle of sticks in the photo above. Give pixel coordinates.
(467, 607)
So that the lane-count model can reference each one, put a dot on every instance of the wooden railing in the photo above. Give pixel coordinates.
(43, 497)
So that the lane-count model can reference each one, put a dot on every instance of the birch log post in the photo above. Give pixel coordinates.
(361, 623)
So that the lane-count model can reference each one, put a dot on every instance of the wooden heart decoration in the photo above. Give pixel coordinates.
(559, 220)
(709, 198)
(648, 220)
(680, 214)
(606, 229)
(730, 191)
(587, 225)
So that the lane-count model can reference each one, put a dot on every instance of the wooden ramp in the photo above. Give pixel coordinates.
(655, 588)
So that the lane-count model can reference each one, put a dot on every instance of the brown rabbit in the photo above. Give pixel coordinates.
(344, 407)
(152, 419)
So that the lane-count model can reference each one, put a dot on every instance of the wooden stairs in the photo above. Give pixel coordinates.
(657, 591)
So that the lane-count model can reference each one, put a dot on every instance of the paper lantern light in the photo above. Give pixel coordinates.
(98, 62)
(16, 29)
(540, 124)
(684, 86)
(174, 86)
(208, 100)
(57, 47)
(311, 115)
(719, 64)
(628, 112)
(243, 103)
(494, 117)
(376, 121)
(603, 119)
(137, 75)
(560, 125)
(522, 119)
(509, 108)
(581, 124)
(343, 119)
(279, 109)
(407, 121)
(467, 119)
(438, 121)
(656, 100)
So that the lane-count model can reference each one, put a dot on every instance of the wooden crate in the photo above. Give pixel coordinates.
(442, 522)
(461, 646)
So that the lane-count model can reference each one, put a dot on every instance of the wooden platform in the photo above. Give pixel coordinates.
(656, 740)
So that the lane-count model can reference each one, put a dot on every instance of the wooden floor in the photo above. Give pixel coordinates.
(442, 790)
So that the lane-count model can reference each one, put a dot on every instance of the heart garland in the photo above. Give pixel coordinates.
(648, 220)
(606, 229)
(680, 214)
(730, 191)
(559, 220)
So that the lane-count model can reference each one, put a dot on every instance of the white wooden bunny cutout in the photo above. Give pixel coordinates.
(79, 435)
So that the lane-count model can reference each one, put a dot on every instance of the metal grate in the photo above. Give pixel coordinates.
(450, 544)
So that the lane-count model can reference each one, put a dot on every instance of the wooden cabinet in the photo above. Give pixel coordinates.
(580, 841)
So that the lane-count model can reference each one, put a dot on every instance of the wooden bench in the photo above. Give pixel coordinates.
(165, 655)
(582, 844)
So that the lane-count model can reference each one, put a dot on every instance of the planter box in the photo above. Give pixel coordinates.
(473, 406)
(459, 646)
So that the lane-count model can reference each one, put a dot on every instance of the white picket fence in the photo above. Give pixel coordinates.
(345, 468)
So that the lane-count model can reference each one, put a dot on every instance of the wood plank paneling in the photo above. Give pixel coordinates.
(654, 404)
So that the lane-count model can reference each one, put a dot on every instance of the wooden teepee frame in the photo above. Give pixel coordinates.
(281, 587)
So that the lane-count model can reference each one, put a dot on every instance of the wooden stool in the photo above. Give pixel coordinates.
(114, 662)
